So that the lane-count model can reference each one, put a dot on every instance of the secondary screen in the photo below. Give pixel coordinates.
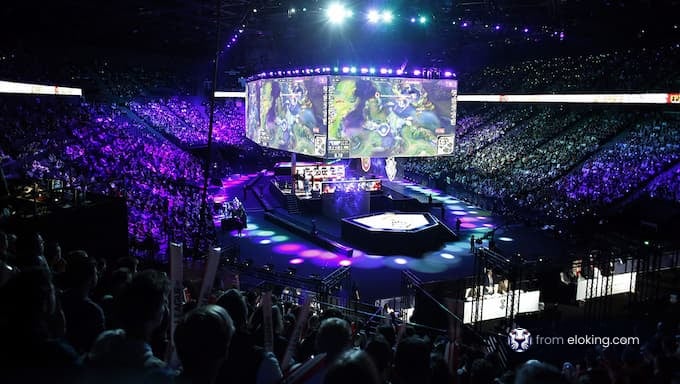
(390, 117)
(291, 114)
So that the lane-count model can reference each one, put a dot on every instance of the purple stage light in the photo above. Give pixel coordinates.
(240, 31)
(345, 263)
(328, 255)
(400, 72)
(465, 24)
(271, 73)
(345, 69)
(448, 74)
(290, 248)
(526, 30)
(364, 70)
(416, 72)
(309, 253)
(296, 260)
(497, 27)
(383, 71)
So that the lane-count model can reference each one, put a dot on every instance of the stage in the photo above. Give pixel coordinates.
(377, 276)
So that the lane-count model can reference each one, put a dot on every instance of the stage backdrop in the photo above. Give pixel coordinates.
(340, 204)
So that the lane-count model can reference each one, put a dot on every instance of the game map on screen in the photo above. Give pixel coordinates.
(288, 114)
(390, 117)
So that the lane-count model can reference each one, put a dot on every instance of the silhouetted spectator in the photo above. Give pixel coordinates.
(84, 318)
(412, 361)
(535, 372)
(202, 340)
(334, 337)
(380, 351)
(31, 251)
(353, 366)
(125, 353)
(28, 354)
(247, 363)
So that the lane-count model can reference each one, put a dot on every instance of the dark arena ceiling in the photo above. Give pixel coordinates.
(276, 34)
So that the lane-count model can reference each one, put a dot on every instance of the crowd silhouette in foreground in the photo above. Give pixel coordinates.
(73, 319)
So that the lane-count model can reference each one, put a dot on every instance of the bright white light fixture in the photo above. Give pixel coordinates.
(337, 13)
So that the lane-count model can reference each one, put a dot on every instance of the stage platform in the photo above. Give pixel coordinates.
(378, 276)
(396, 233)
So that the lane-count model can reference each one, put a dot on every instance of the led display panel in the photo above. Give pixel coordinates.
(390, 117)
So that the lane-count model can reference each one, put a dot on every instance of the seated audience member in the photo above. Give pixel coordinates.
(247, 362)
(334, 337)
(28, 353)
(84, 318)
(31, 251)
(503, 286)
(54, 259)
(125, 353)
(128, 262)
(202, 340)
(412, 361)
(353, 366)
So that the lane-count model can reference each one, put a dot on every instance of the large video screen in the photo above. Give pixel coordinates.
(385, 117)
(288, 114)
(253, 111)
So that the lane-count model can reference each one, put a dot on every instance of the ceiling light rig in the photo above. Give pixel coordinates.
(352, 70)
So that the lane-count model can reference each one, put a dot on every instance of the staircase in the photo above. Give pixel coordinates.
(292, 205)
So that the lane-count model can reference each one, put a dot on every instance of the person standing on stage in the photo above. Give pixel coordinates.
(489, 282)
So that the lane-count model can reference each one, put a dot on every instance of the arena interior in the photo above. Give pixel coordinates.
(432, 192)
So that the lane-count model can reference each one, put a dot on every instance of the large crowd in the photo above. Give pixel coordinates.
(562, 161)
(99, 149)
(187, 119)
(70, 318)
(621, 70)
